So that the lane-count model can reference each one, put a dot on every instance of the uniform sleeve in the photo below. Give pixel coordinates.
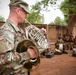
(8, 56)
(7, 45)
(9, 37)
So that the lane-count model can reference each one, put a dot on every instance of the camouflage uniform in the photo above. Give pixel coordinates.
(13, 35)
(10, 36)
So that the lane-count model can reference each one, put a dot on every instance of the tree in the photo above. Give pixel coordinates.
(58, 21)
(2, 18)
(35, 17)
(43, 4)
(68, 7)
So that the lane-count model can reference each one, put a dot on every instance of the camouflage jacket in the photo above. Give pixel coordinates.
(12, 35)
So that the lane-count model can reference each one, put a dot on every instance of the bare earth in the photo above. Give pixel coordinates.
(63, 64)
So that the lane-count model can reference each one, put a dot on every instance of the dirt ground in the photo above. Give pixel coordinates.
(63, 64)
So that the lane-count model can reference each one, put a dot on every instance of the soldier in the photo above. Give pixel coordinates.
(74, 40)
(59, 45)
(10, 35)
(74, 47)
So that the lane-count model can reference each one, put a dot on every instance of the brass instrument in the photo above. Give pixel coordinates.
(32, 64)
(36, 40)
(36, 35)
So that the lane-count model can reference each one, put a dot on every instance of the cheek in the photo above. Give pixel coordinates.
(25, 15)
(22, 17)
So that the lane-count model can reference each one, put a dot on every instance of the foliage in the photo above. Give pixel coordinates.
(2, 18)
(59, 21)
(68, 6)
(43, 5)
(35, 17)
(64, 7)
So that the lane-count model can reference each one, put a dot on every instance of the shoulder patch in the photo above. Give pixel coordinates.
(1, 38)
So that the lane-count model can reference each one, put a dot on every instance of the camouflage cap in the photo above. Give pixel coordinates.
(21, 3)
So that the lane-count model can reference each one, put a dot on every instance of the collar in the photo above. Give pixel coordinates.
(13, 25)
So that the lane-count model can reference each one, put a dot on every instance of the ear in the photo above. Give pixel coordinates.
(17, 10)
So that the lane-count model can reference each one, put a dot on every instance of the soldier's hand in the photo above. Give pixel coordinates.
(25, 56)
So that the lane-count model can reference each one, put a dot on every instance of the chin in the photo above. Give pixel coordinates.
(22, 21)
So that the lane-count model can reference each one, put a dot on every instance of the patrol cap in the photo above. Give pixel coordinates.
(20, 3)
